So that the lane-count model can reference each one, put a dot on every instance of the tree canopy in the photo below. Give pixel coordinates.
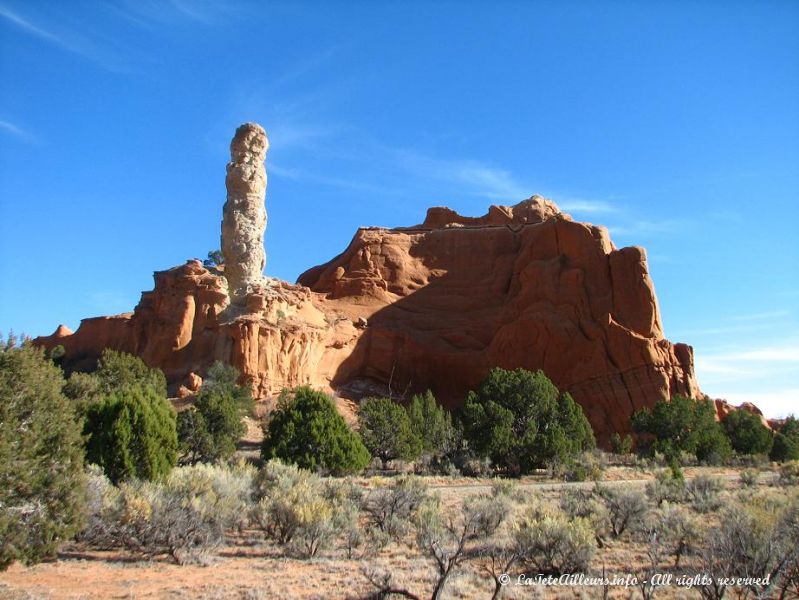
(386, 430)
(521, 421)
(683, 425)
(307, 430)
(42, 497)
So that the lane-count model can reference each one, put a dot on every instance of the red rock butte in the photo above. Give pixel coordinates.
(433, 306)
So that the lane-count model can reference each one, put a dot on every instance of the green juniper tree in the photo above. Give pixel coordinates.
(521, 421)
(386, 430)
(209, 430)
(42, 499)
(307, 430)
(683, 425)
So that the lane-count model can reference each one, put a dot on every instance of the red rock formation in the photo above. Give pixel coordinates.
(444, 304)
(186, 323)
(433, 306)
(724, 408)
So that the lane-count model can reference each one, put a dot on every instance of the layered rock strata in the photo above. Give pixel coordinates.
(450, 299)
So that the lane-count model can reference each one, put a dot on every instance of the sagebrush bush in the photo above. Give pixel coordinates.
(588, 505)
(447, 540)
(753, 539)
(626, 508)
(221, 492)
(42, 499)
(555, 543)
(704, 493)
(789, 473)
(665, 488)
(295, 509)
(346, 499)
(506, 488)
(675, 528)
(749, 478)
(100, 530)
(185, 516)
(391, 509)
(584, 466)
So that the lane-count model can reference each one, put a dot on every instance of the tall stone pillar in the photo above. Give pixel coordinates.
(244, 213)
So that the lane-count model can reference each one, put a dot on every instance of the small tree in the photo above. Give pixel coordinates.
(520, 421)
(432, 422)
(683, 425)
(209, 431)
(621, 445)
(117, 370)
(307, 430)
(386, 430)
(747, 433)
(786, 441)
(215, 259)
(131, 433)
(42, 498)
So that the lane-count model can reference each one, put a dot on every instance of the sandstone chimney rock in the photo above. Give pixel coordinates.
(244, 213)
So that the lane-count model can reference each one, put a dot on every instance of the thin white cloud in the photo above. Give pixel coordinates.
(644, 228)
(146, 13)
(111, 301)
(767, 375)
(763, 316)
(728, 329)
(777, 355)
(587, 206)
(29, 27)
(339, 182)
(66, 40)
(16, 131)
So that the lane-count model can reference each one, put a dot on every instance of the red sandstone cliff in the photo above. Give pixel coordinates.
(523, 286)
(443, 302)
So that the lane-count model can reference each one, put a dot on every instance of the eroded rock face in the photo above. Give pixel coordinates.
(182, 327)
(244, 213)
(533, 210)
(445, 304)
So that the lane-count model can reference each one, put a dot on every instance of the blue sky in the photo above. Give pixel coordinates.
(675, 124)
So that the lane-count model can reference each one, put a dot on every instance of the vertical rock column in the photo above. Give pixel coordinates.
(244, 213)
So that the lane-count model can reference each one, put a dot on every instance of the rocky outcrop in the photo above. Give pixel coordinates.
(182, 327)
(402, 310)
(535, 210)
(724, 408)
(244, 213)
(444, 304)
